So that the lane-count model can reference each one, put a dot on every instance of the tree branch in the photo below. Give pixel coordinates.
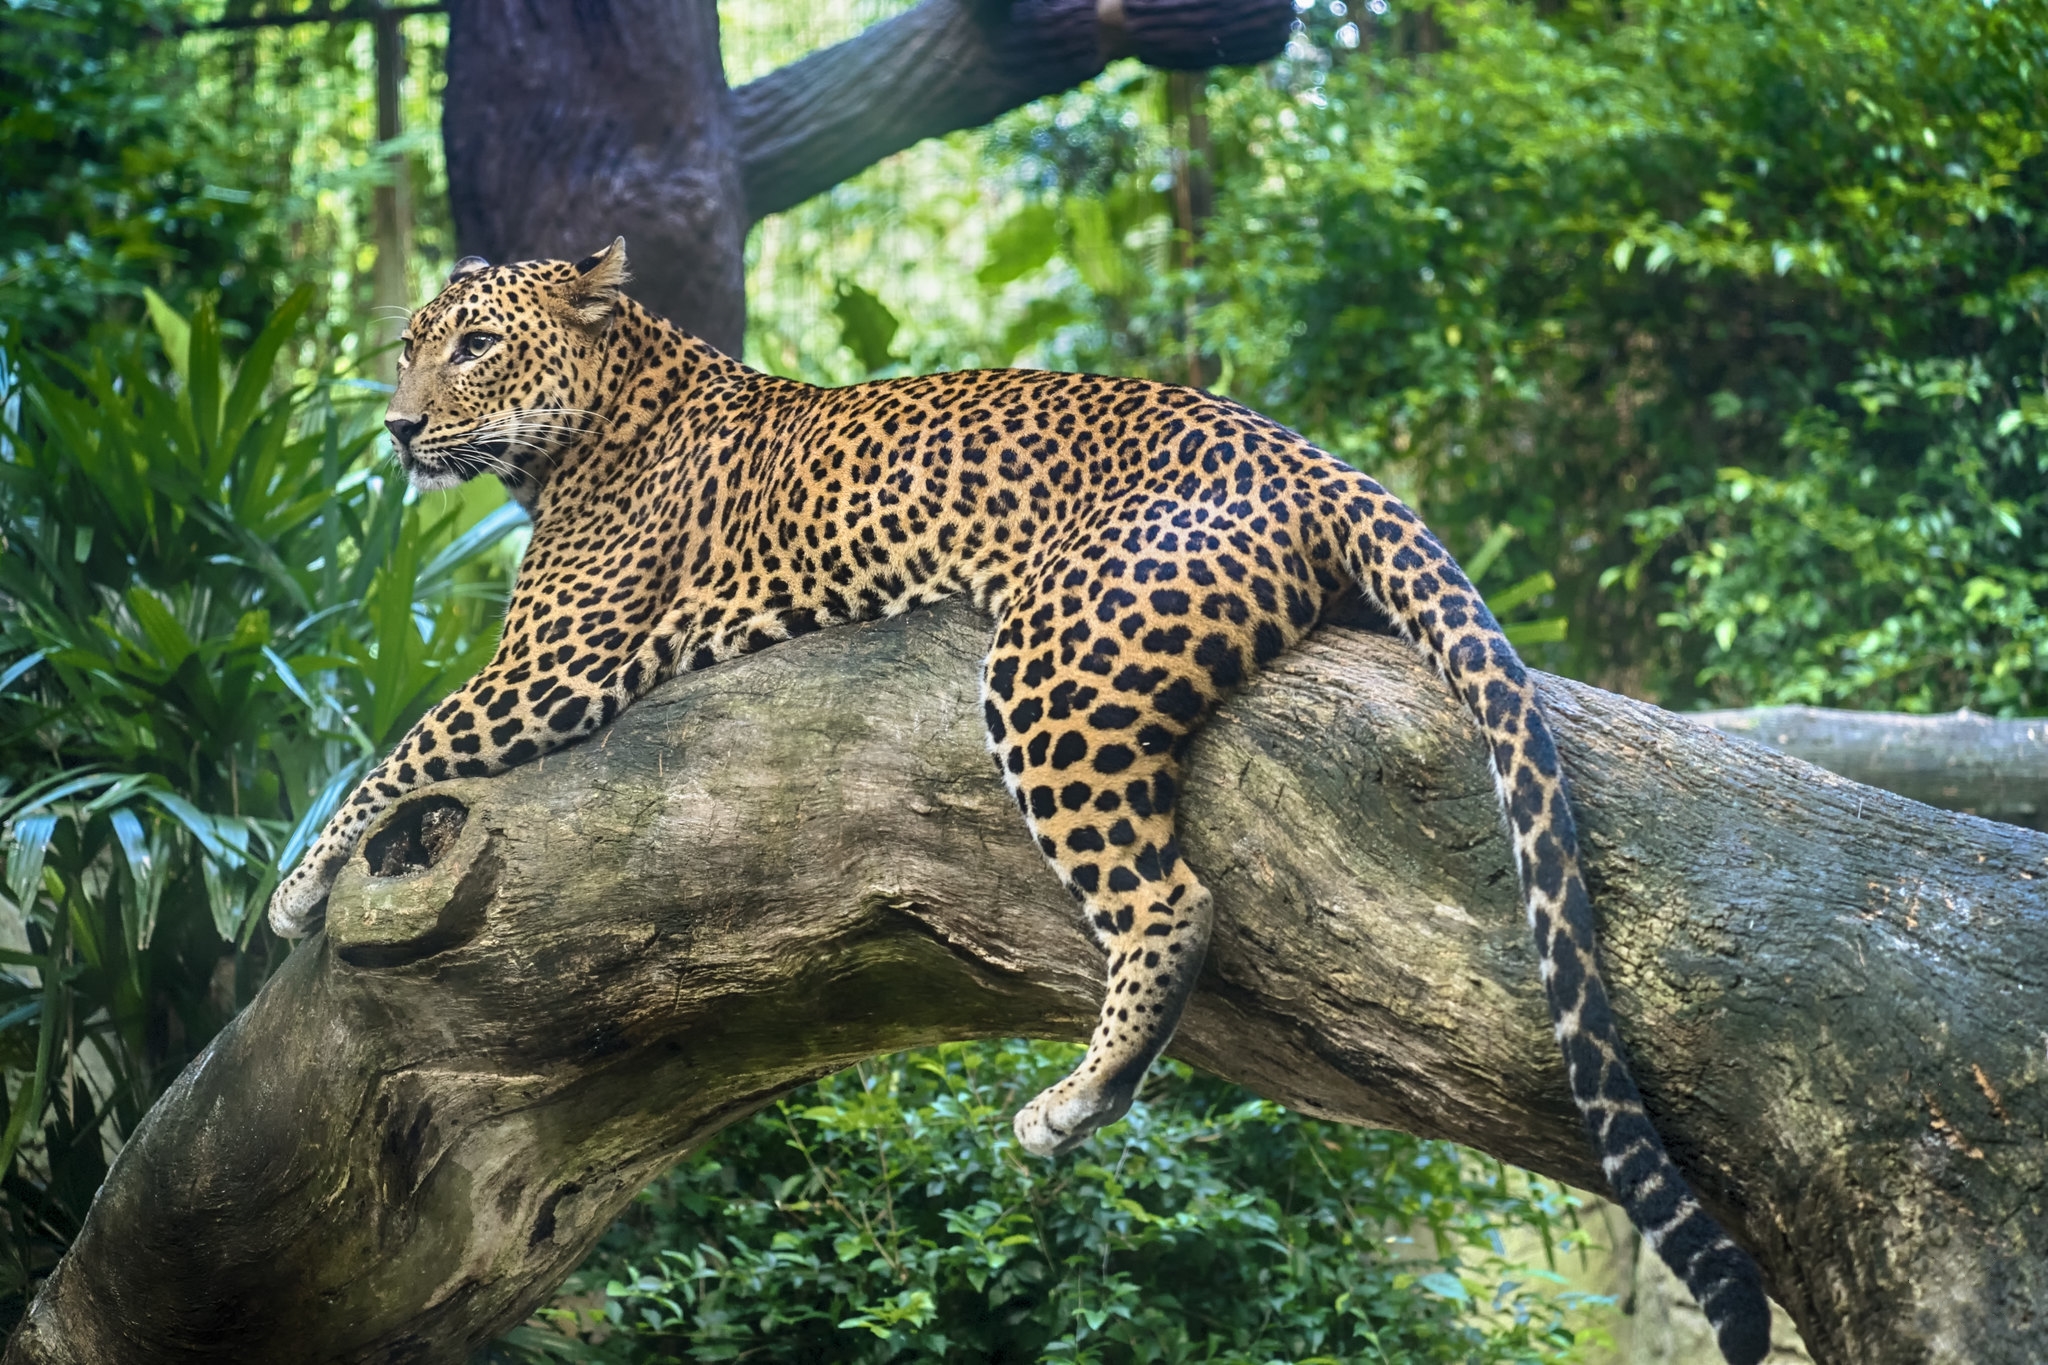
(773, 868)
(1962, 761)
(950, 64)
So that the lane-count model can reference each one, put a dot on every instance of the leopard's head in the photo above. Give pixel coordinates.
(504, 371)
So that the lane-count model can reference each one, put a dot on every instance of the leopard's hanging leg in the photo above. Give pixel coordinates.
(1092, 756)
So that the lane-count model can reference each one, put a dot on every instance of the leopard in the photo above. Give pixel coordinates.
(1143, 549)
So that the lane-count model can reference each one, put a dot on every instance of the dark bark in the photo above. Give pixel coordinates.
(1834, 996)
(1961, 761)
(570, 122)
(567, 123)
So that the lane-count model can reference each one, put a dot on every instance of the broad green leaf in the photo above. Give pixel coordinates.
(165, 635)
(173, 330)
(16, 670)
(1097, 253)
(258, 363)
(223, 837)
(1026, 240)
(56, 787)
(146, 871)
(28, 844)
(866, 326)
(227, 902)
(494, 527)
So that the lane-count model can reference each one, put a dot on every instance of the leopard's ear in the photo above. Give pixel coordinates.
(468, 265)
(593, 291)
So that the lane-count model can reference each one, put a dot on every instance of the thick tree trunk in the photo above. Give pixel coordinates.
(1834, 996)
(1961, 761)
(568, 122)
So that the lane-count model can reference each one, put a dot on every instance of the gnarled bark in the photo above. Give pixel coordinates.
(768, 870)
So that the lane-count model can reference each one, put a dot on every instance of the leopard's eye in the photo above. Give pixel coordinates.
(474, 344)
(405, 351)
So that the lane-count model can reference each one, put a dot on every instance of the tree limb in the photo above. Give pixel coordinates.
(951, 64)
(1961, 761)
(773, 868)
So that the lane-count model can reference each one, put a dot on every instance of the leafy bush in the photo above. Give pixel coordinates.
(106, 185)
(886, 1214)
(1899, 559)
(213, 612)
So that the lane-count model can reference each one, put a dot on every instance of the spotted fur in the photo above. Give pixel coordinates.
(1142, 548)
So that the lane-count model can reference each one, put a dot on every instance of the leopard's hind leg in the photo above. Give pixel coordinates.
(1091, 750)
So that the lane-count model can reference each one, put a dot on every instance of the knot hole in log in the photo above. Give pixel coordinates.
(415, 837)
(426, 879)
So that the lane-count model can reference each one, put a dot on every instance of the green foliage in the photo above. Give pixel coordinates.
(213, 613)
(1909, 579)
(886, 1214)
(1562, 273)
(107, 185)
(137, 152)
(866, 326)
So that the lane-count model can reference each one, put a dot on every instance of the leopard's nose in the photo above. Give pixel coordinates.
(403, 429)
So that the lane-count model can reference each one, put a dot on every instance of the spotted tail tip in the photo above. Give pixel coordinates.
(1733, 1300)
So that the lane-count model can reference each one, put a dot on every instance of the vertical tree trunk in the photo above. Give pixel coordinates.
(390, 287)
(569, 124)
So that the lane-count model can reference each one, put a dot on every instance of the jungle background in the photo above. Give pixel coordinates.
(1709, 333)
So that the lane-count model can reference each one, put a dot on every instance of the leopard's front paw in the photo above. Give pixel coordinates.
(1061, 1118)
(299, 904)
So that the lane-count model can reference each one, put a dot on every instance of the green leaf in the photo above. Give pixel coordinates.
(56, 787)
(1023, 242)
(255, 373)
(1097, 253)
(1534, 586)
(478, 539)
(172, 645)
(224, 837)
(145, 871)
(202, 393)
(173, 330)
(1483, 558)
(28, 845)
(1549, 631)
(18, 668)
(866, 326)
(1446, 1285)
(227, 902)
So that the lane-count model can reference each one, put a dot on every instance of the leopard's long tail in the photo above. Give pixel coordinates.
(1409, 577)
